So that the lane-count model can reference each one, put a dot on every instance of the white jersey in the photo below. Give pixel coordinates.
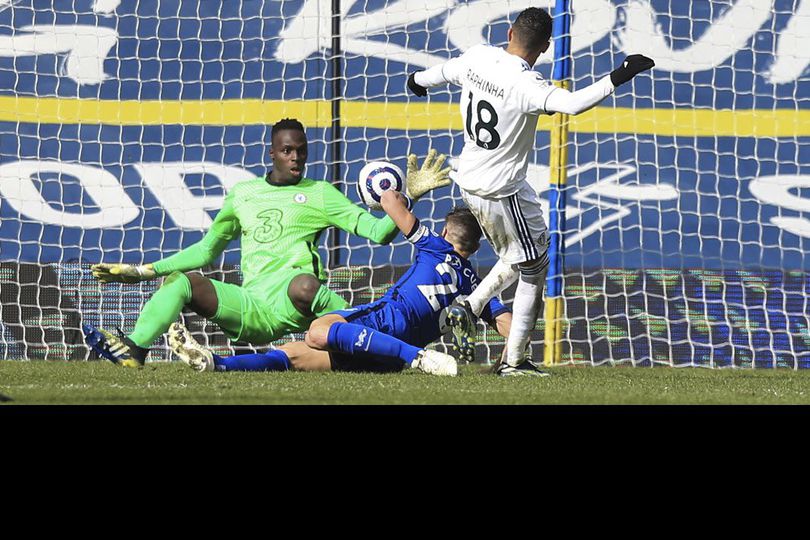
(501, 100)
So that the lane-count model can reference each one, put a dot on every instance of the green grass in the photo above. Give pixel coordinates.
(77, 383)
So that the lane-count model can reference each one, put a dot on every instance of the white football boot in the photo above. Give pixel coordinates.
(435, 363)
(186, 348)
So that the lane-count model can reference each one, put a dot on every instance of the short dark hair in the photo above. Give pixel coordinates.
(532, 28)
(287, 123)
(463, 229)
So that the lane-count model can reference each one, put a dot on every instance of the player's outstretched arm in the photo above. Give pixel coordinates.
(563, 101)
(396, 206)
(123, 273)
(420, 180)
(346, 215)
(340, 212)
(196, 255)
(224, 229)
(632, 66)
(416, 88)
(448, 72)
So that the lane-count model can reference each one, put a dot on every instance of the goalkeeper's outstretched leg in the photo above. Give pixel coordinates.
(179, 290)
(298, 300)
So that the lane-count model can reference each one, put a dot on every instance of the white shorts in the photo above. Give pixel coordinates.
(513, 225)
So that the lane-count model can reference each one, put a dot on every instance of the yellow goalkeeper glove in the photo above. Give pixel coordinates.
(123, 273)
(430, 176)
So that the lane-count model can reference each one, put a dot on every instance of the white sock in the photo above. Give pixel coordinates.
(499, 278)
(525, 312)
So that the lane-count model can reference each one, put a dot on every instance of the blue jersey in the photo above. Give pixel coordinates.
(411, 310)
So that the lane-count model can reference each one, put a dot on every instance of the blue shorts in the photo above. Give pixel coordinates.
(383, 317)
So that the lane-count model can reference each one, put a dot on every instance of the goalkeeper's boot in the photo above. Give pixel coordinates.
(186, 348)
(462, 322)
(119, 350)
(527, 368)
(435, 363)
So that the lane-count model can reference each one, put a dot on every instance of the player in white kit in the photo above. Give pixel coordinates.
(501, 100)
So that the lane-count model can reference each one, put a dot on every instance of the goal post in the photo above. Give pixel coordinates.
(558, 152)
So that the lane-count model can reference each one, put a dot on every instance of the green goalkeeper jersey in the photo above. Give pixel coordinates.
(279, 228)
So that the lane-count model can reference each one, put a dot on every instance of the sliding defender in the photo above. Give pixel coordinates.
(391, 333)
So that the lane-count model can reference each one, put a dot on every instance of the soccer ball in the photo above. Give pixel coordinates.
(375, 179)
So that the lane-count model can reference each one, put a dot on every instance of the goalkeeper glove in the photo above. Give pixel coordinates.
(632, 66)
(417, 89)
(430, 176)
(122, 273)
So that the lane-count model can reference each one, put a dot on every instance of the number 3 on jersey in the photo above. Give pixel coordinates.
(483, 133)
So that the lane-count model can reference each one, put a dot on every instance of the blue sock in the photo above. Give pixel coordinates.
(272, 360)
(362, 341)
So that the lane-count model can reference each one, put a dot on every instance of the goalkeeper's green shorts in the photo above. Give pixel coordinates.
(258, 319)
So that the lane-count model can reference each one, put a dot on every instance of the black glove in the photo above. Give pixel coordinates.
(632, 66)
(420, 91)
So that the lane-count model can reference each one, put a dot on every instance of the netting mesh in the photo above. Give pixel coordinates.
(122, 125)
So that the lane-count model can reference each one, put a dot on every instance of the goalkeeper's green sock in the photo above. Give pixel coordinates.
(161, 310)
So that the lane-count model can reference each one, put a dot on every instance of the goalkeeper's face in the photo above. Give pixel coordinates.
(289, 155)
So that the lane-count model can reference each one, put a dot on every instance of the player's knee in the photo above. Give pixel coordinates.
(533, 271)
(203, 299)
(174, 276)
(193, 278)
(302, 291)
(317, 337)
(535, 267)
(180, 284)
(530, 267)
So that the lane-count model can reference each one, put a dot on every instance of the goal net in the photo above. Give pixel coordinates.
(123, 124)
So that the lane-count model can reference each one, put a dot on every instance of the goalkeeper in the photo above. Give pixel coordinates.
(279, 218)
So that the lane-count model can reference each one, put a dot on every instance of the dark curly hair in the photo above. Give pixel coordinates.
(532, 28)
(287, 123)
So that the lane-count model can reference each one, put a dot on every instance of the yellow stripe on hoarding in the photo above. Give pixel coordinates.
(695, 122)
(415, 115)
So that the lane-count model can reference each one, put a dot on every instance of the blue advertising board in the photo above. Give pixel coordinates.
(118, 136)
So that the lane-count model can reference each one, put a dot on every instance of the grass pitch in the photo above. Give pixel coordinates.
(101, 383)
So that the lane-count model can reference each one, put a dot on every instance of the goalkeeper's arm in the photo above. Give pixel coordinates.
(351, 218)
(196, 255)
(224, 229)
(344, 214)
